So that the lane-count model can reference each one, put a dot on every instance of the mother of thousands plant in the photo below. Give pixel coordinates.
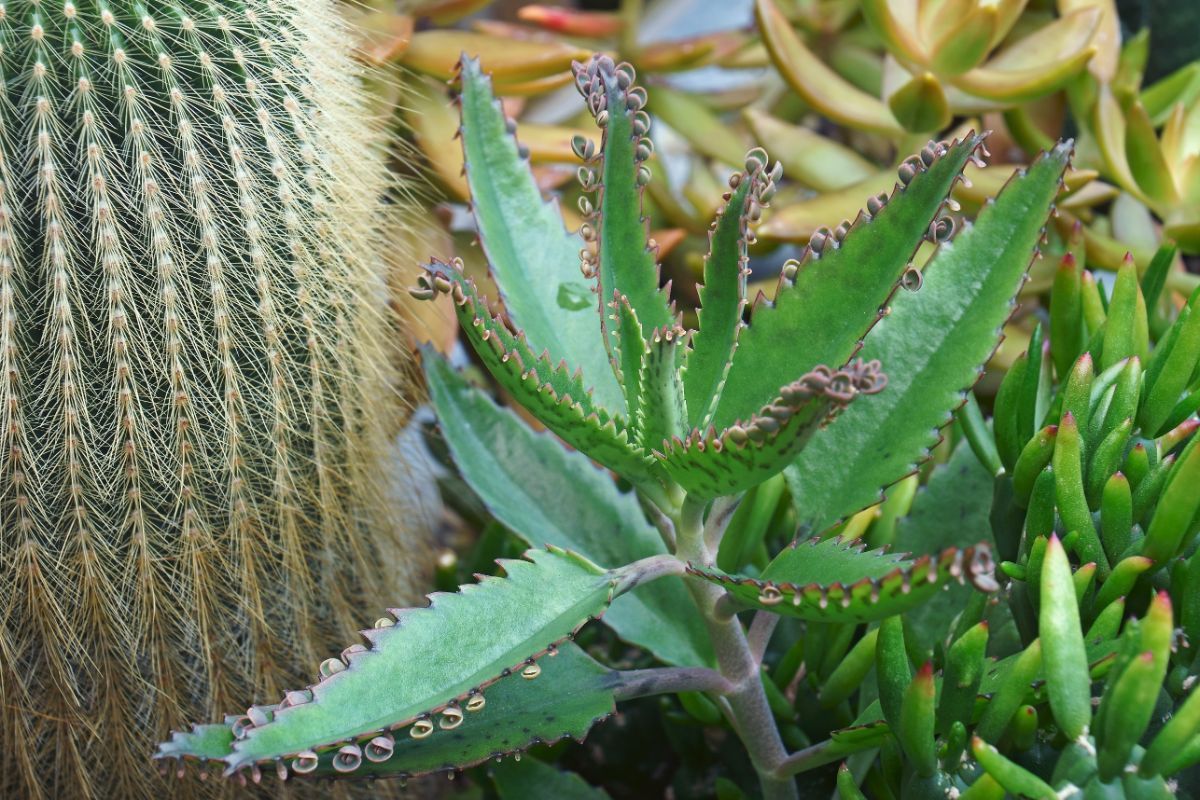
(689, 423)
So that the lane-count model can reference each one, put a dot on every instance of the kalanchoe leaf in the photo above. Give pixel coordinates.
(571, 693)
(557, 398)
(548, 494)
(710, 464)
(833, 580)
(530, 254)
(203, 743)
(627, 258)
(723, 295)
(932, 345)
(661, 410)
(629, 352)
(414, 668)
(822, 310)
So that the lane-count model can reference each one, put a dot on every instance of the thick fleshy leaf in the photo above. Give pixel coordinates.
(845, 278)
(951, 510)
(627, 266)
(557, 398)
(920, 104)
(548, 495)
(418, 666)
(932, 344)
(570, 694)
(833, 580)
(661, 410)
(722, 297)
(821, 87)
(534, 260)
(798, 219)
(710, 464)
(436, 53)
(808, 157)
(697, 123)
(534, 779)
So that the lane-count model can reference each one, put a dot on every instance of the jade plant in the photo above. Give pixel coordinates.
(662, 462)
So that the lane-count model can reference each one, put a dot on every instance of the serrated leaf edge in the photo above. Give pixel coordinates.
(973, 564)
(354, 651)
(939, 429)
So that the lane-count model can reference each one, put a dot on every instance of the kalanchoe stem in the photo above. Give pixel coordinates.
(634, 683)
(747, 700)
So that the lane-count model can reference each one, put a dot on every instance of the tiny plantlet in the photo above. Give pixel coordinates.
(664, 455)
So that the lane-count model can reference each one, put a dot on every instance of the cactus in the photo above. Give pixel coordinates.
(692, 421)
(195, 385)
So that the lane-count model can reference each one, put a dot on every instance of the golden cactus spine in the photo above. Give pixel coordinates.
(195, 392)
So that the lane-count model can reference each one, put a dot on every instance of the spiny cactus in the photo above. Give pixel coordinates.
(194, 389)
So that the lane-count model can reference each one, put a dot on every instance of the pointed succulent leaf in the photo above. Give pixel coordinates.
(920, 104)
(627, 262)
(534, 779)
(823, 309)
(723, 295)
(570, 694)
(417, 667)
(661, 410)
(809, 158)
(557, 398)
(710, 464)
(834, 580)
(933, 344)
(549, 495)
(203, 743)
(532, 257)
(434, 52)
(821, 87)
(1022, 85)
(629, 349)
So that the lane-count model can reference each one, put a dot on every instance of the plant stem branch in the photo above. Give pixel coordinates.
(760, 634)
(666, 528)
(633, 683)
(718, 521)
(648, 569)
(808, 758)
(752, 715)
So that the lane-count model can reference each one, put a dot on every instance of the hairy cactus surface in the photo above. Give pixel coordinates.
(193, 385)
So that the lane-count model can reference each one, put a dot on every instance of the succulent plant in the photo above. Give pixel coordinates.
(196, 391)
(691, 421)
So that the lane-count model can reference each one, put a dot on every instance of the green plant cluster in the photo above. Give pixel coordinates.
(730, 501)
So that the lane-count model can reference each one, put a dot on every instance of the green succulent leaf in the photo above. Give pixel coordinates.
(722, 297)
(532, 257)
(951, 510)
(825, 307)
(203, 743)
(571, 693)
(414, 668)
(932, 345)
(820, 86)
(533, 779)
(548, 495)
(834, 580)
(553, 395)
(710, 464)
(627, 261)
(661, 410)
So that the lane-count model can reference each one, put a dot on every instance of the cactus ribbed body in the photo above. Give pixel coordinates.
(192, 375)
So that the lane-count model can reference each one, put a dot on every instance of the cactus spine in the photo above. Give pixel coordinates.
(193, 380)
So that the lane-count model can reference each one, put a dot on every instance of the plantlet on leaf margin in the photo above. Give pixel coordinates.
(694, 422)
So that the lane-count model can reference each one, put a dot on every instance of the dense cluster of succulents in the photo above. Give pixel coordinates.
(772, 427)
(195, 384)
